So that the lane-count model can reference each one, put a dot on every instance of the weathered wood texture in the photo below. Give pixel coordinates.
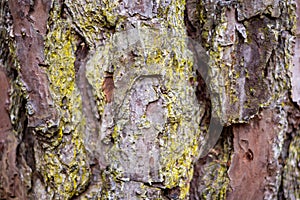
(106, 100)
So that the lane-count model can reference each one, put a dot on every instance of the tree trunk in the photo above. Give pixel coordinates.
(118, 99)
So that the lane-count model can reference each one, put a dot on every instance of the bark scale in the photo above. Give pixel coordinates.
(98, 100)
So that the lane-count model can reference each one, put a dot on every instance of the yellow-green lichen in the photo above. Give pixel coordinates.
(64, 163)
(92, 17)
(176, 156)
(163, 65)
(215, 176)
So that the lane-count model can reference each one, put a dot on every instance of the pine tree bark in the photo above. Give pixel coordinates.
(251, 48)
(110, 99)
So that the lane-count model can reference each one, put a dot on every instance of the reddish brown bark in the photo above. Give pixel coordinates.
(252, 160)
(30, 25)
(11, 185)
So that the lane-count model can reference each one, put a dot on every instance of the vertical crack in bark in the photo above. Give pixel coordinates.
(191, 19)
(200, 65)
(91, 138)
(210, 180)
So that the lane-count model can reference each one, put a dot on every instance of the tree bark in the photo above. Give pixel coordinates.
(251, 44)
(118, 99)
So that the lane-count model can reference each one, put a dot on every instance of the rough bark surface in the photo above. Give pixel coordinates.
(11, 184)
(250, 44)
(109, 100)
